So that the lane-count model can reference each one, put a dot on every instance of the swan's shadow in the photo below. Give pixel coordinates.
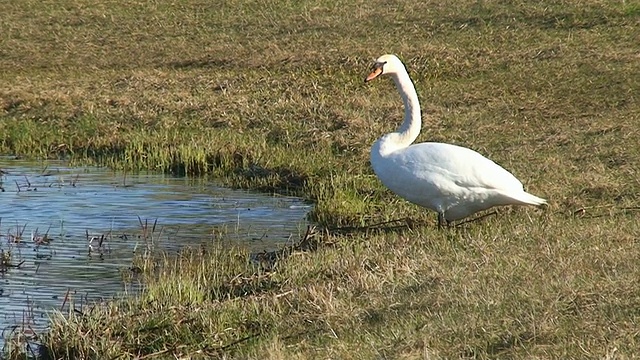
(402, 225)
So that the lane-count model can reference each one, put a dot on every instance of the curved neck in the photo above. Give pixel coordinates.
(410, 128)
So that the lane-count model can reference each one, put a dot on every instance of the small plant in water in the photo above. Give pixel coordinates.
(148, 234)
(17, 237)
(41, 239)
(97, 244)
(21, 340)
(6, 261)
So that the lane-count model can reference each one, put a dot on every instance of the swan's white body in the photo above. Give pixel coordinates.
(451, 180)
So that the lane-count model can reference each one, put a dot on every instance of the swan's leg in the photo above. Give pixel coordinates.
(442, 221)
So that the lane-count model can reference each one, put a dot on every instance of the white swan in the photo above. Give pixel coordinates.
(451, 180)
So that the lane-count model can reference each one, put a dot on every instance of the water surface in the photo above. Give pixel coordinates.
(74, 229)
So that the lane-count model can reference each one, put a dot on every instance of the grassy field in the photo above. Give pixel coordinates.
(269, 95)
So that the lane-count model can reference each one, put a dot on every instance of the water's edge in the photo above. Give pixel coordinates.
(72, 230)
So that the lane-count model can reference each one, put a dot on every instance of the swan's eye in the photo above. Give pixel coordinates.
(379, 65)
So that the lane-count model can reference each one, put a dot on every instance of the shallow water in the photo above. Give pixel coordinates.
(76, 208)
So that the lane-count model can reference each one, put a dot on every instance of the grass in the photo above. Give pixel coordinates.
(269, 96)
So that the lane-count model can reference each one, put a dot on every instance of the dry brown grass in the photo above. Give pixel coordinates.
(269, 95)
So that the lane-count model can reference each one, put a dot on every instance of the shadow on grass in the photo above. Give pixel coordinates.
(206, 62)
(278, 178)
(586, 18)
(311, 241)
(504, 344)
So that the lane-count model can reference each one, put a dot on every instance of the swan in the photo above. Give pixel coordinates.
(451, 180)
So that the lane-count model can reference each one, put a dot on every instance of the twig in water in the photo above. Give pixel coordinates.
(66, 297)
(75, 180)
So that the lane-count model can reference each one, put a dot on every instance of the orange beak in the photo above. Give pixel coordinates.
(374, 74)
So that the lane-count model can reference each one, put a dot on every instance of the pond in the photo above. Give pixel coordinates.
(73, 230)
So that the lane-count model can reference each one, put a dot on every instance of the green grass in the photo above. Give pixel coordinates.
(269, 95)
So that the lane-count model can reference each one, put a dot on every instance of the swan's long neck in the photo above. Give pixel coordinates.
(410, 128)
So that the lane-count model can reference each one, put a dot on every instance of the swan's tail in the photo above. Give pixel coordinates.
(524, 198)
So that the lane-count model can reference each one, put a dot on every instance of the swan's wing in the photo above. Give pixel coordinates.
(462, 166)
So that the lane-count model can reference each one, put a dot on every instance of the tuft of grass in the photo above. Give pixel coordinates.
(269, 96)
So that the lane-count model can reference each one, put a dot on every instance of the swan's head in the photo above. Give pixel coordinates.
(384, 65)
